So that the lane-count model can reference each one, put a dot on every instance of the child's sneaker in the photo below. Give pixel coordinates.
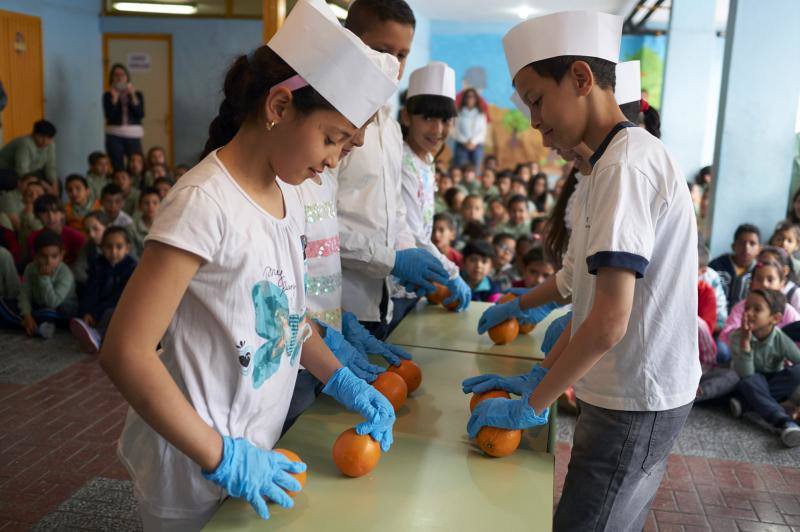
(736, 407)
(88, 338)
(46, 330)
(790, 434)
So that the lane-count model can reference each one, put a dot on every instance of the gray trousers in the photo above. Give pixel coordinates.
(618, 460)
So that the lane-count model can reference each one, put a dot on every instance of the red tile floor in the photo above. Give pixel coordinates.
(60, 433)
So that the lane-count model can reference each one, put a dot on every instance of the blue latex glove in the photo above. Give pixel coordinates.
(361, 339)
(517, 291)
(360, 397)
(459, 291)
(497, 314)
(250, 473)
(418, 267)
(554, 331)
(505, 414)
(518, 384)
(349, 356)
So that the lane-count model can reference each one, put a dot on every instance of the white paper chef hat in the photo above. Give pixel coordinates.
(520, 105)
(434, 79)
(586, 33)
(629, 82)
(355, 79)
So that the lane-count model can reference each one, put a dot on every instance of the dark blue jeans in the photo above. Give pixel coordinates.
(763, 393)
(463, 156)
(118, 148)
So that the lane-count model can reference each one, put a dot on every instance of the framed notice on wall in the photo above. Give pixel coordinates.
(139, 62)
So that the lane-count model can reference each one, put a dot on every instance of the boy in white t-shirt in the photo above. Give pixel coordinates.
(631, 350)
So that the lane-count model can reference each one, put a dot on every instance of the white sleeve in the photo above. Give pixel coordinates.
(191, 220)
(457, 136)
(479, 131)
(565, 274)
(405, 236)
(622, 216)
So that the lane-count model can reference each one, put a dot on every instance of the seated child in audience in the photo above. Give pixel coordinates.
(472, 209)
(130, 194)
(504, 248)
(9, 278)
(539, 230)
(156, 166)
(94, 227)
(523, 172)
(108, 276)
(11, 201)
(759, 353)
(536, 269)
(711, 277)
(477, 267)
(443, 183)
(47, 296)
(136, 169)
(733, 267)
(443, 237)
(80, 201)
(518, 217)
(112, 201)
(470, 180)
(458, 176)
(28, 222)
(473, 232)
(490, 163)
(453, 198)
(767, 275)
(789, 288)
(706, 323)
(787, 236)
(525, 243)
(51, 214)
(97, 176)
(498, 214)
(487, 188)
(504, 185)
(149, 201)
(163, 186)
(519, 188)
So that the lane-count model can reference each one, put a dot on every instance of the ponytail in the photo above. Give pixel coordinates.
(557, 239)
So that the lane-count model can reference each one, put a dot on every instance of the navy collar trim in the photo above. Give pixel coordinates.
(606, 141)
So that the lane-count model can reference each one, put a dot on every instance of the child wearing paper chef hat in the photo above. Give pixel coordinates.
(221, 284)
(631, 351)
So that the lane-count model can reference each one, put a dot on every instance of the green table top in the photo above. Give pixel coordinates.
(435, 327)
(432, 479)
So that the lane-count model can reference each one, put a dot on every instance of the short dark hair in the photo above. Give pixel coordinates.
(450, 195)
(776, 301)
(45, 128)
(96, 156)
(604, 71)
(499, 237)
(478, 247)
(517, 198)
(445, 217)
(111, 189)
(364, 14)
(525, 239)
(475, 231)
(47, 238)
(166, 180)
(116, 230)
(76, 177)
(149, 191)
(746, 228)
(534, 255)
(45, 203)
(430, 106)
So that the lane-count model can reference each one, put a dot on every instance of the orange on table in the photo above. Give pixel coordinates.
(523, 328)
(477, 398)
(505, 332)
(355, 455)
(301, 477)
(441, 293)
(393, 387)
(498, 442)
(410, 372)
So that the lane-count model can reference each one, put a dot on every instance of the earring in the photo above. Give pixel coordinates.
(270, 125)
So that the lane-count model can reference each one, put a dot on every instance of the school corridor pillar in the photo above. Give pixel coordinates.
(273, 14)
(758, 108)
(691, 84)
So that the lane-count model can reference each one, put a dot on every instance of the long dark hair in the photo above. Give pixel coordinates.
(113, 68)
(247, 84)
(557, 234)
(541, 200)
(464, 96)
(429, 106)
(790, 214)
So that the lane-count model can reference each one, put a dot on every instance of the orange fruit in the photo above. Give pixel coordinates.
(477, 398)
(301, 477)
(439, 295)
(498, 442)
(505, 332)
(355, 455)
(410, 372)
(506, 298)
(454, 305)
(393, 387)
(526, 328)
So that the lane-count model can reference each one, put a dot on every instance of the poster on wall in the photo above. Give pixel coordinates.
(139, 62)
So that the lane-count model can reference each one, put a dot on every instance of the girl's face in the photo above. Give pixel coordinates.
(163, 189)
(504, 185)
(305, 145)
(427, 135)
(470, 101)
(488, 179)
(469, 176)
(77, 193)
(148, 204)
(504, 251)
(539, 186)
(472, 210)
(95, 230)
(458, 199)
(497, 210)
(456, 175)
(560, 185)
(445, 184)
(518, 187)
(119, 78)
(767, 277)
(136, 164)
(443, 235)
(758, 313)
(114, 248)
(787, 240)
(525, 173)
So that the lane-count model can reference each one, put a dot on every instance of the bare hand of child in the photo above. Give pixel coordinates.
(747, 333)
(46, 270)
(29, 324)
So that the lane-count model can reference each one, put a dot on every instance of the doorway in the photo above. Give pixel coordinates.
(21, 72)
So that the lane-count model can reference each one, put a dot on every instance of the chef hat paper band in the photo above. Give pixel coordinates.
(434, 79)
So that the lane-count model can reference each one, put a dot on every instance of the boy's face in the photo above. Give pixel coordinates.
(95, 230)
(114, 248)
(498, 210)
(767, 278)
(504, 253)
(536, 273)
(487, 179)
(112, 204)
(518, 212)
(476, 267)
(157, 157)
(787, 240)
(49, 257)
(148, 204)
(445, 184)
(427, 134)
(136, 164)
(519, 188)
(456, 175)
(52, 219)
(557, 109)
(472, 210)
(504, 186)
(122, 180)
(443, 235)
(77, 193)
(32, 191)
(746, 248)
(102, 166)
(757, 311)
(163, 189)
(391, 38)
(469, 176)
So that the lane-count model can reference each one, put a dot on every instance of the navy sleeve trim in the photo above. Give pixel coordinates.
(617, 259)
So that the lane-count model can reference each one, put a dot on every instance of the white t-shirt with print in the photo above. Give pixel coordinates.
(635, 212)
(233, 345)
(324, 280)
